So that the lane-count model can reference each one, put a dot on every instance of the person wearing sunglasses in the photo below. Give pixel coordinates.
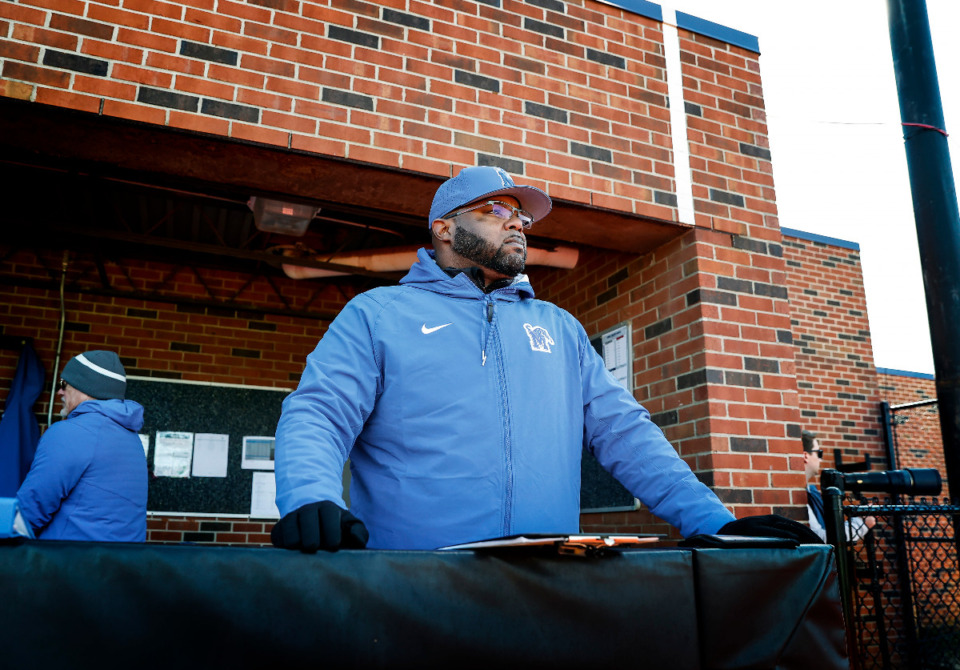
(88, 480)
(464, 403)
(857, 527)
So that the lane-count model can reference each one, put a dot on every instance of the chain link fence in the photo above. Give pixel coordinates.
(902, 585)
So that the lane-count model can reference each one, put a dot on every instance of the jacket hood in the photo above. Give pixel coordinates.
(127, 413)
(426, 274)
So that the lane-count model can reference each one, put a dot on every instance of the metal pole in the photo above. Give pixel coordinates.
(831, 487)
(888, 438)
(934, 209)
(887, 417)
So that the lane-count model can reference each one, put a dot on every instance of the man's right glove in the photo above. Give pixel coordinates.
(771, 525)
(320, 525)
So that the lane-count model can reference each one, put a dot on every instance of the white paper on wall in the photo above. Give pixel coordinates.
(210, 452)
(172, 454)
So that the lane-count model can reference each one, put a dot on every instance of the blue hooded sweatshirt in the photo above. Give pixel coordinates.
(88, 480)
(464, 415)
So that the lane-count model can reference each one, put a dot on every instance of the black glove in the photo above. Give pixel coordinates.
(319, 525)
(771, 525)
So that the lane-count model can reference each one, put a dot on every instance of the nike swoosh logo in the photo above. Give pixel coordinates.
(427, 331)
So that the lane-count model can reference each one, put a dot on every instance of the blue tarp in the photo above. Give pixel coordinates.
(19, 431)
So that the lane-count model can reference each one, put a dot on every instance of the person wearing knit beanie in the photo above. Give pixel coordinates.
(99, 374)
(95, 455)
(93, 375)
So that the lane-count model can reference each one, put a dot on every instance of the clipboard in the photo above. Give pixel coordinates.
(573, 545)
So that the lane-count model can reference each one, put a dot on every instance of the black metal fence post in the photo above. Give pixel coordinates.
(831, 488)
(934, 209)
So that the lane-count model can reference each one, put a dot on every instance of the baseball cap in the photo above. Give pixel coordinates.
(483, 181)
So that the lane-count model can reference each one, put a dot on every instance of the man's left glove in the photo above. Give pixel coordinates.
(320, 525)
(771, 525)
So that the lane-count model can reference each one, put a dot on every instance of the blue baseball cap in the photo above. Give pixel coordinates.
(484, 181)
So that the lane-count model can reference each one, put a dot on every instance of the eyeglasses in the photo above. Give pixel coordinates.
(818, 452)
(62, 385)
(501, 210)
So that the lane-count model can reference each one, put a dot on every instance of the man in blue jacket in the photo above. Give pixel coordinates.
(464, 402)
(88, 480)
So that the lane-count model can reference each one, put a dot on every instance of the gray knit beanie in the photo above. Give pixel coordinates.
(99, 374)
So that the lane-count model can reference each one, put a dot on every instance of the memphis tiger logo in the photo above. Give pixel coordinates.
(540, 339)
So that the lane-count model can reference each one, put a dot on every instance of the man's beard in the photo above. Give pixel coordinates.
(474, 248)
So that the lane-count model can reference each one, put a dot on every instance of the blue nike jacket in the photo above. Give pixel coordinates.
(88, 480)
(464, 415)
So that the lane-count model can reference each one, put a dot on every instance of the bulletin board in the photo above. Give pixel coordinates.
(236, 411)
(599, 491)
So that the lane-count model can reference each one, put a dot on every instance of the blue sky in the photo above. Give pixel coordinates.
(838, 159)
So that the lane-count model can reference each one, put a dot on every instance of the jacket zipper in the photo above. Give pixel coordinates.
(505, 412)
(487, 328)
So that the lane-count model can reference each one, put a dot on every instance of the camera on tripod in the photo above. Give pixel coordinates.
(911, 481)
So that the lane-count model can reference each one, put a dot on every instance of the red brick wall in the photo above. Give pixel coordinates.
(572, 94)
(916, 430)
(171, 336)
(727, 132)
(180, 333)
(900, 388)
(836, 377)
(713, 361)
(840, 389)
(219, 530)
(700, 374)
(577, 105)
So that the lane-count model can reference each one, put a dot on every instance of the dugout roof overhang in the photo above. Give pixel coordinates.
(80, 178)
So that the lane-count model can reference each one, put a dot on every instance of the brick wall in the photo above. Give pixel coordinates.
(681, 319)
(840, 388)
(218, 530)
(730, 158)
(573, 98)
(703, 390)
(180, 333)
(185, 329)
(918, 440)
(571, 95)
(899, 387)
(713, 362)
(836, 377)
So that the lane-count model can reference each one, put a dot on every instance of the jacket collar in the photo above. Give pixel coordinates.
(426, 274)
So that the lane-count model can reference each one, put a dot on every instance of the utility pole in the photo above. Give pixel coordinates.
(934, 210)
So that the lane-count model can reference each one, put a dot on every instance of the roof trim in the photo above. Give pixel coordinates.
(718, 32)
(651, 10)
(823, 239)
(905, 373)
